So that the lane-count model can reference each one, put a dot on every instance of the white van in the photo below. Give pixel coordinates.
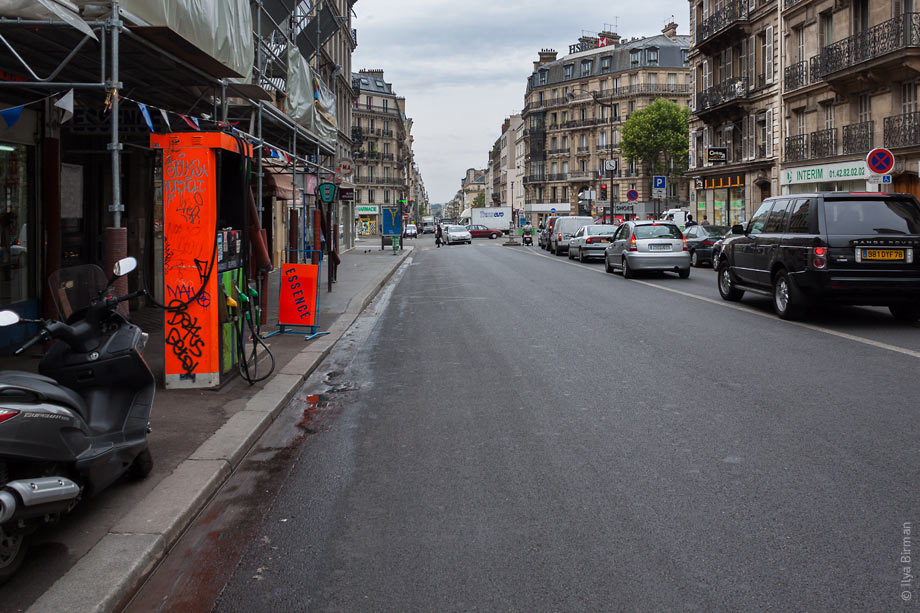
(678, 216)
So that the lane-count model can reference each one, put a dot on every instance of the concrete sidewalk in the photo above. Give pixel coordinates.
(198, 439)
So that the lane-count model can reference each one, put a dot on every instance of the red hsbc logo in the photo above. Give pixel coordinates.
(603, 42)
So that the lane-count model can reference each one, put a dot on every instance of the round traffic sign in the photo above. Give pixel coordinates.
(880, 161)
(552, 211)
(632, 194)
(346, 167)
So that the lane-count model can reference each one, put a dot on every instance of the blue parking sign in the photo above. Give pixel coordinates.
(659, 182)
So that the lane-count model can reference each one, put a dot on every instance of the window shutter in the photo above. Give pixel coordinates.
(742, 60)
(753, 5)
(693, 89)
(728, 140)
(706, 130)
(690, 163)
(769, 62)
(769, 133)
(752, 55)
(705, 10)
(745, 136)
(729, 73)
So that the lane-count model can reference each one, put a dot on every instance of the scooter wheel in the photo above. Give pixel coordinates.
(13, 550)
(142, 465)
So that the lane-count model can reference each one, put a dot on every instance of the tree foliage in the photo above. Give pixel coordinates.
(479, 200)
(658, 136)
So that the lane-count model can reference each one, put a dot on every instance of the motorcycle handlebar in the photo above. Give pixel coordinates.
(38, 337)
(114, 301)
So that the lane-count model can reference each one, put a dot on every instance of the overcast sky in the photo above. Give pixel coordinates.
(462, 65)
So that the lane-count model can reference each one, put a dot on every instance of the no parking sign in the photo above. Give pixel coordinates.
(880, 161)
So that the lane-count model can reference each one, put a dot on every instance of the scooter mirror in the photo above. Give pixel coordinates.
(8, 318)
(124, 266)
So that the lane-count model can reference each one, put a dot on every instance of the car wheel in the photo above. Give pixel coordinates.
(684, 273)
(905, 312)
(581, 256)
(694, 259)
(627, 271)
(493, 236)
(607, 266)
(727, 288)
(787, 301)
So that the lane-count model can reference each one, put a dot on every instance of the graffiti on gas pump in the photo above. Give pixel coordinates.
(184, 337)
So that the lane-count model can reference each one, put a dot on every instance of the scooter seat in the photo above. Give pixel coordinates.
(16, 382)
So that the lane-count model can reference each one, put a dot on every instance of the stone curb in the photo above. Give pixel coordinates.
(108, 575)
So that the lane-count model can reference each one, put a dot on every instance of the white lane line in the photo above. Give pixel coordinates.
(744, 309)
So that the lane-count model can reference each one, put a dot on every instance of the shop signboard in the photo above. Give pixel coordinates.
(841, 171)
(367, 209)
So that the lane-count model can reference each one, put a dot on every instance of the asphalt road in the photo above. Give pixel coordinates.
(513, 431)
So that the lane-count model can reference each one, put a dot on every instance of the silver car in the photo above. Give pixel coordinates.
(457, 234)
(563, 230)
(590, 241)
(648, 245)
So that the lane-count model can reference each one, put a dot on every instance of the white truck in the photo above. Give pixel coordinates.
(494, 218)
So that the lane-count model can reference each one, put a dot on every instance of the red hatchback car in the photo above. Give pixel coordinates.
(483, 232)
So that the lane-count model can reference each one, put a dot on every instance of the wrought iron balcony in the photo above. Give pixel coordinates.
(535, 179)
(583, 150)
(895, 34)
(902, 130)
(858, 137)
(723, 93)
(563, 151)
(559, 176)
(824, 143)
(578, 175)
(607, 147)
(721, 20)
(796, 148)
(796, 75)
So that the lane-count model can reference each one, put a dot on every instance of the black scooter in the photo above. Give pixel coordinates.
(527, 239)
(81, 424)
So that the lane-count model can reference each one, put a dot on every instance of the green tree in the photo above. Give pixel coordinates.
(479, 200)
(658, 137)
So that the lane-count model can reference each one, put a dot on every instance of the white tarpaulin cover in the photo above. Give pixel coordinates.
(309, 102)
(220, 28)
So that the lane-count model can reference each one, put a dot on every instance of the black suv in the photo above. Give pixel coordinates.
(847, 248)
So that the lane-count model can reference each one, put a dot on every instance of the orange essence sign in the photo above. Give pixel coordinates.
(297, 302)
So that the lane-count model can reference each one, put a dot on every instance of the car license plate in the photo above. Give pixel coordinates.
(659, 247)
(885, 255)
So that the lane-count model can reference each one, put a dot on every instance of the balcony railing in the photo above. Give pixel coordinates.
(363, 108)
(644, 88)
(578, 175)
(902, 130)
(796, 148)
(563, 151)
(535, 179)
(559, 176)
(721, 94)
(583, 150)
(721, 19)
(796, 76)
(899, 33)
(606, 147)
(858, 137)
(824, 143)
(790, 3)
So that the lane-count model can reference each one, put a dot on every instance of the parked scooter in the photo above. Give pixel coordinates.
(527, 239)
(81, 424)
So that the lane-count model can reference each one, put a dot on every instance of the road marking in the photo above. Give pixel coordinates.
(744, 309)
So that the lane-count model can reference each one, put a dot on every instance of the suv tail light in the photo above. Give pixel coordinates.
(6, 414)
(685, 243)
(819, 257)
(632, 243)
(559, 236)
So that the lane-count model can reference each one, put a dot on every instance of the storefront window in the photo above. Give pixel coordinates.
(17, 221)
(737, 205)
(719, 212)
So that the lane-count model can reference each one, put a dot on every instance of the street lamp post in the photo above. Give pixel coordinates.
(511, 242)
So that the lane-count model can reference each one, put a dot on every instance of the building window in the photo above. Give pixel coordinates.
(357, 195)
(864, 108)
(565, 142)
(567, 71)
(605, 63)
(554, 194)
(584, 140)
(540, 98)
(584, 114)
(634, 57)
(565, 116)
(616, 112)
(800, 122)
(542, 77)
(565, 194)
(828, 116)
(615, 138)
(799, 34)
(684, 55)
(386, 195)
(370, 102)
(586, 66)
(386, 125)
(616, 85)
(555, 95)
(909, 97)
(652, 57)
(370, 196)
(584, 166)
(653, 79)
(826, 29)
(383, 104)
(373, 124)
(552, 146)
(602, 138)
(565, 168)
(632, 107)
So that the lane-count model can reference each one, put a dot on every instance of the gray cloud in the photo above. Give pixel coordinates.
(463, 66)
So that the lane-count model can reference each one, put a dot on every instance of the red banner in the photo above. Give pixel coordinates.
(297, 304)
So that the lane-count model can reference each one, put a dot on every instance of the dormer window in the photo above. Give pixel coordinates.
(542, 77)
(605, 63)
(634, 57)
(652, 55)
(567, 71)
(586, 67)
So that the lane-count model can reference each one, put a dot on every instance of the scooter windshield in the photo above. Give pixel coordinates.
(76, 288)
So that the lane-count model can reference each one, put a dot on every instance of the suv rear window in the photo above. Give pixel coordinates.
(871, 216)
(660, 230)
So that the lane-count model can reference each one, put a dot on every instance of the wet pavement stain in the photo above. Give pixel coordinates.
(194, 573)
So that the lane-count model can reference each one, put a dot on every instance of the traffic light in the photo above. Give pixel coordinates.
(603, 191)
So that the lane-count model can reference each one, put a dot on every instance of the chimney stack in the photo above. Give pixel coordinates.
(670, 30)
(613, 37)
(546, 56)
